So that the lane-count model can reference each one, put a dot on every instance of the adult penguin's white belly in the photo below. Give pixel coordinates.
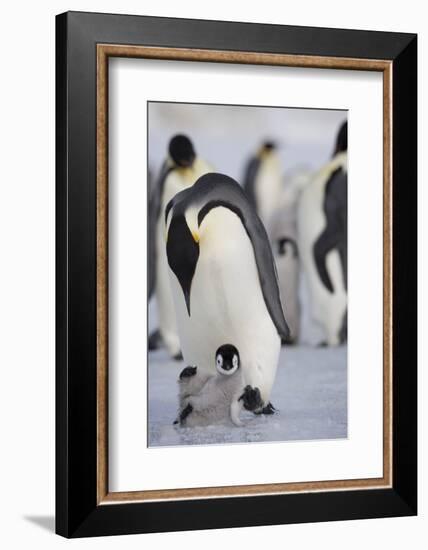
(227, 304)
(268, 186)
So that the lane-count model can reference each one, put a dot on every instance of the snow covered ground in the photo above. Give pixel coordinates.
(310, 394)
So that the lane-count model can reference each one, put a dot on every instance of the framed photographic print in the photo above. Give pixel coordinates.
(236, 274)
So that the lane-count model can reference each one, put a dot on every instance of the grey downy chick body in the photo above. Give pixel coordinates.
(206, 398)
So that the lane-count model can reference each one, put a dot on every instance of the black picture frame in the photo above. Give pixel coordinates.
(77, 512)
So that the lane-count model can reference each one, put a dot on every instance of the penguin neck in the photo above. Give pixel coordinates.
(340, 160)
(216, 230)
(266, 154)
(187, 174)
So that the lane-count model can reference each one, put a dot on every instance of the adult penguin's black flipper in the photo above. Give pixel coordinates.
(334, 235)
(326, 242)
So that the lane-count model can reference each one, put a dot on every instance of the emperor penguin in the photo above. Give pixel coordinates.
(263, 181)
(322, 227)
(206, 398)
(286, 250)
(224, 281)
(180, 170)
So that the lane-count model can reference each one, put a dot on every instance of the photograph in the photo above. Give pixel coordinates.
(247, 274)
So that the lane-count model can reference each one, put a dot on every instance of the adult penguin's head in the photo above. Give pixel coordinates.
(266, 148)
(181, 151)
(269, 145)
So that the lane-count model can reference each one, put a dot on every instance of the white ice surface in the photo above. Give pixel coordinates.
(310, 394)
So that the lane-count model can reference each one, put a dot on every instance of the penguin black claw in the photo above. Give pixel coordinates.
(251, 398)
(268, 409)
(178, 356)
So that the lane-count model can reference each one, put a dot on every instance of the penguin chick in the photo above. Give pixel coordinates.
(207, 398)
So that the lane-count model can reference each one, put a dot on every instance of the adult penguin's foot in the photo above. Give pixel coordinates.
(155, 340)
(251, 398)
(268, 409)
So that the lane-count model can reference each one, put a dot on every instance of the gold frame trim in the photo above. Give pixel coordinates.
(104, 51)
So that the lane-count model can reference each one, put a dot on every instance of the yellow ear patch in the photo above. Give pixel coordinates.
(195, 236)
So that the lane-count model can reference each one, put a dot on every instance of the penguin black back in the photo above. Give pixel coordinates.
(154, 207)
(342, 139)
(251, 170)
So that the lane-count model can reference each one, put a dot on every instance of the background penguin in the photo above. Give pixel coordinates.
(224, 280)
(263, 181)
(285, 249)
(322, 227)
(207, 398)
(286, 253)
(180, 170)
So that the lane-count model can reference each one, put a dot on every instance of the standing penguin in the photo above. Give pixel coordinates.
(286, 251)
(322, 226)
(224, 280)
(180, 170)
(263, 181)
